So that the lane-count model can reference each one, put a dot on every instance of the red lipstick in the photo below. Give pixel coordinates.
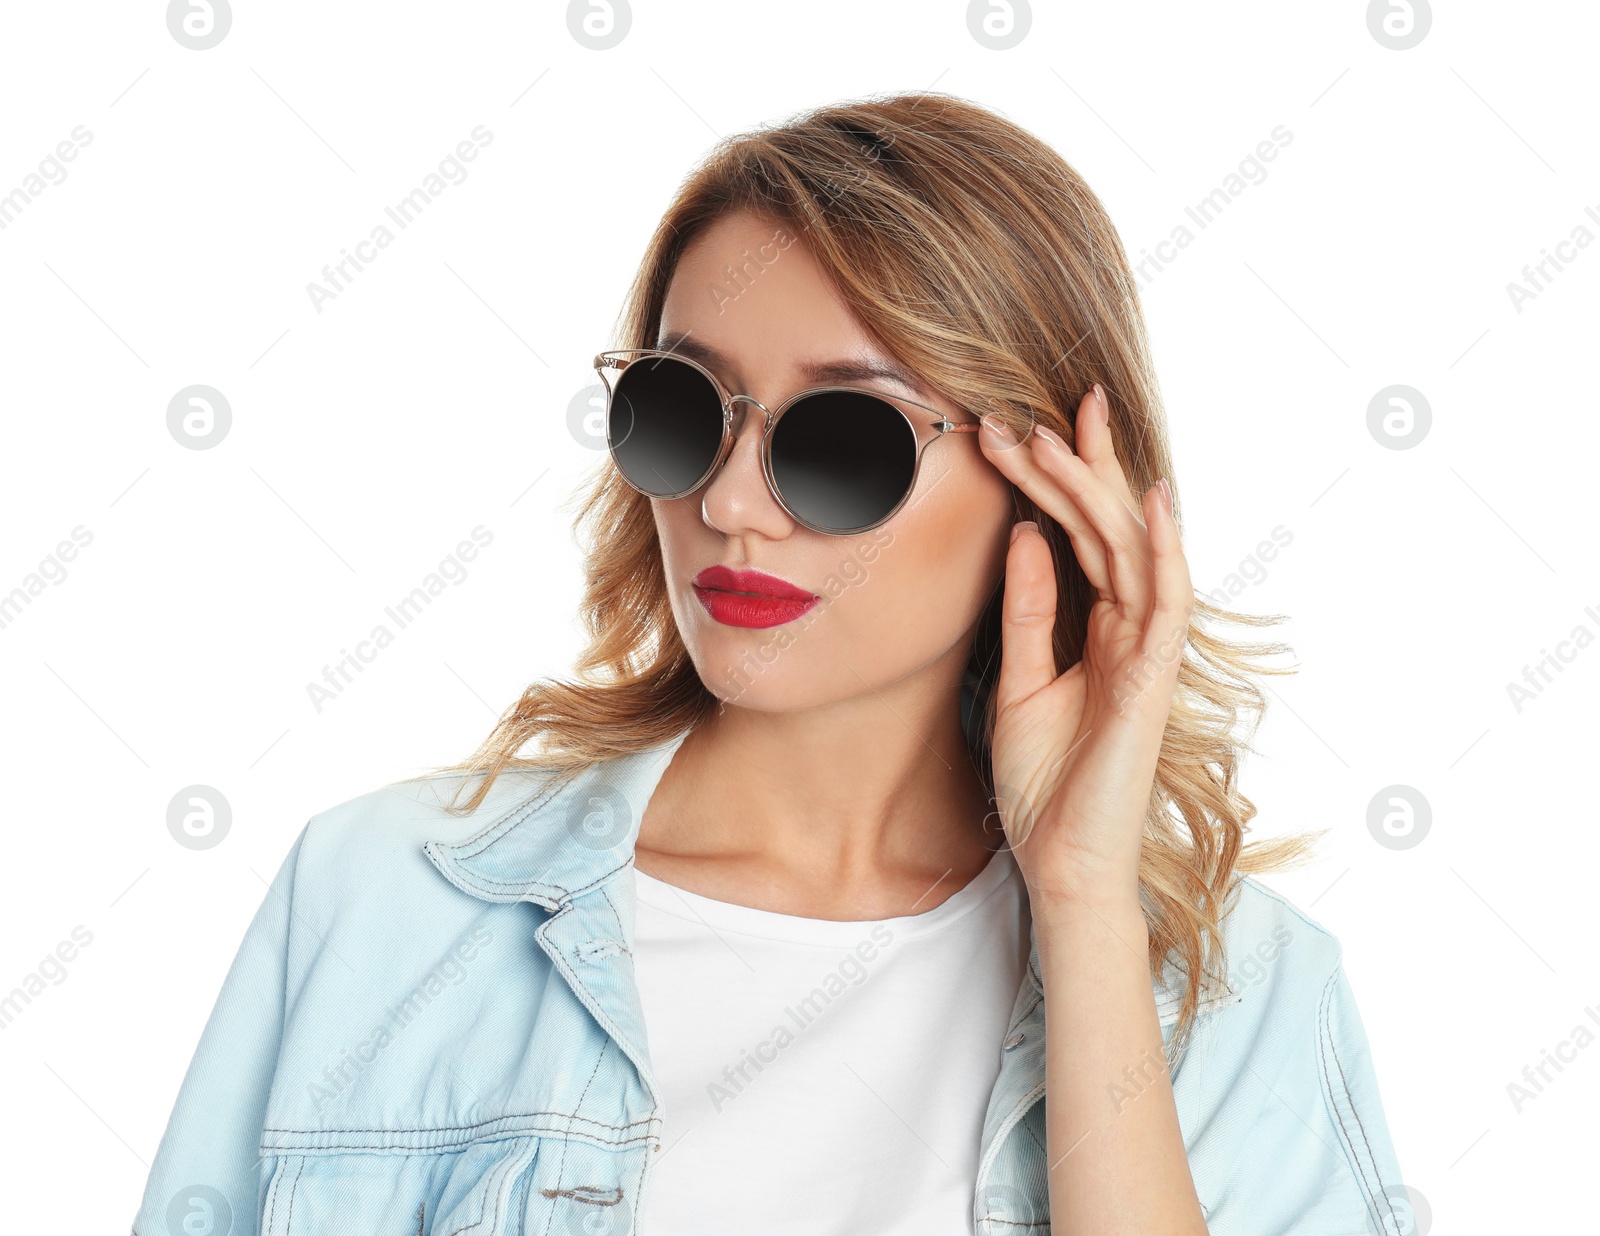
(748, 598)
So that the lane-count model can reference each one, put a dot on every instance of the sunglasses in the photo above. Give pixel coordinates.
(838, 459)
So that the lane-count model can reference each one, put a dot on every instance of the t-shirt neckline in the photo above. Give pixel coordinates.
(772, 925)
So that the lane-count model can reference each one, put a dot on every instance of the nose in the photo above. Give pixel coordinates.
(736, 501)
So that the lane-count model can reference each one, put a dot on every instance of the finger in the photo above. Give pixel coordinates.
(1167, 630)
(1097, 448)
(1126, 539)
(1027, 618)
(1020, 465)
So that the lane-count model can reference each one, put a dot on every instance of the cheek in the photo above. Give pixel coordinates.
(960, 536)
(680, 531)
(935, 568)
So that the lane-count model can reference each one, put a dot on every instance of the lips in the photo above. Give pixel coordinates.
(749, 598)
(727, 579)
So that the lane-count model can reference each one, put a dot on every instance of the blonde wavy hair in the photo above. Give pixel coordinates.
(984, 263)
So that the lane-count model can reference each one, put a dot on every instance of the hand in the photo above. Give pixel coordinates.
(1075, 754)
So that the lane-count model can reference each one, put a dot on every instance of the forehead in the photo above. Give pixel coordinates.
(749, 301)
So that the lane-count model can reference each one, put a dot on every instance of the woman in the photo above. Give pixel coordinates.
(886, 860)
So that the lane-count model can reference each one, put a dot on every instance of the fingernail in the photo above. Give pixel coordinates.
(1016, 529)
(1105, 399)
(1049, 436)
(1166, 492)
(999, 429)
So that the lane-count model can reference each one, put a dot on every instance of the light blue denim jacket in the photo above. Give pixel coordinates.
(432, 1026)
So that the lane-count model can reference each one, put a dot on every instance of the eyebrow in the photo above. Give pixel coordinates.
(844, 372)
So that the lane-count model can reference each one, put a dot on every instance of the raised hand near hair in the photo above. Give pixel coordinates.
(1075, 753)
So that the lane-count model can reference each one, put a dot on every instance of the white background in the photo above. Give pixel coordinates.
(431, 396)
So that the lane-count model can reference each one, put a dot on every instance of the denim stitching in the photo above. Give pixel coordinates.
(606, 1023)
(645, 1139)
(1333, 1050)
(298, 1168)
(1332, 1099)
(612, 906)
(277, 1185)
(1329, 1097)
(1032, 1136)
(561, 1165)
(518, 882)
(620, 946)
(497, 831)
(1038, 999)
(272, 1195)
(462, 1128)
(523, 883)
(473, 848)
(503, 825)
(509, 1164)
(1007, 1127)
(603, 878)
(504, 1167)
(644, 1166)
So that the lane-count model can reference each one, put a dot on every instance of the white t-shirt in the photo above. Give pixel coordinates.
(824, 1077)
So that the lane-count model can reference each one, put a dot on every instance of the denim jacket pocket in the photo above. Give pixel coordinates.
(478, 1190)
(506, 1186)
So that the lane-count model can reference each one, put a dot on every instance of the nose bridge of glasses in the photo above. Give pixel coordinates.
(734, 411)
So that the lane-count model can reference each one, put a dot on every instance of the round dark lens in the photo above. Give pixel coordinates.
(665, 425)
(843, 461)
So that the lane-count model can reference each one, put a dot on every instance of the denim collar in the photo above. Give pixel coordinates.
(568, 838)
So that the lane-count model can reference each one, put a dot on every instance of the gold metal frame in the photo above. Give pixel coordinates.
(614, 360)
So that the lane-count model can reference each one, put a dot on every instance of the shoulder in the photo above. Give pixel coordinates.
(1281, 965)
(423, 805)
(1277, 957)
(1270, 940)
